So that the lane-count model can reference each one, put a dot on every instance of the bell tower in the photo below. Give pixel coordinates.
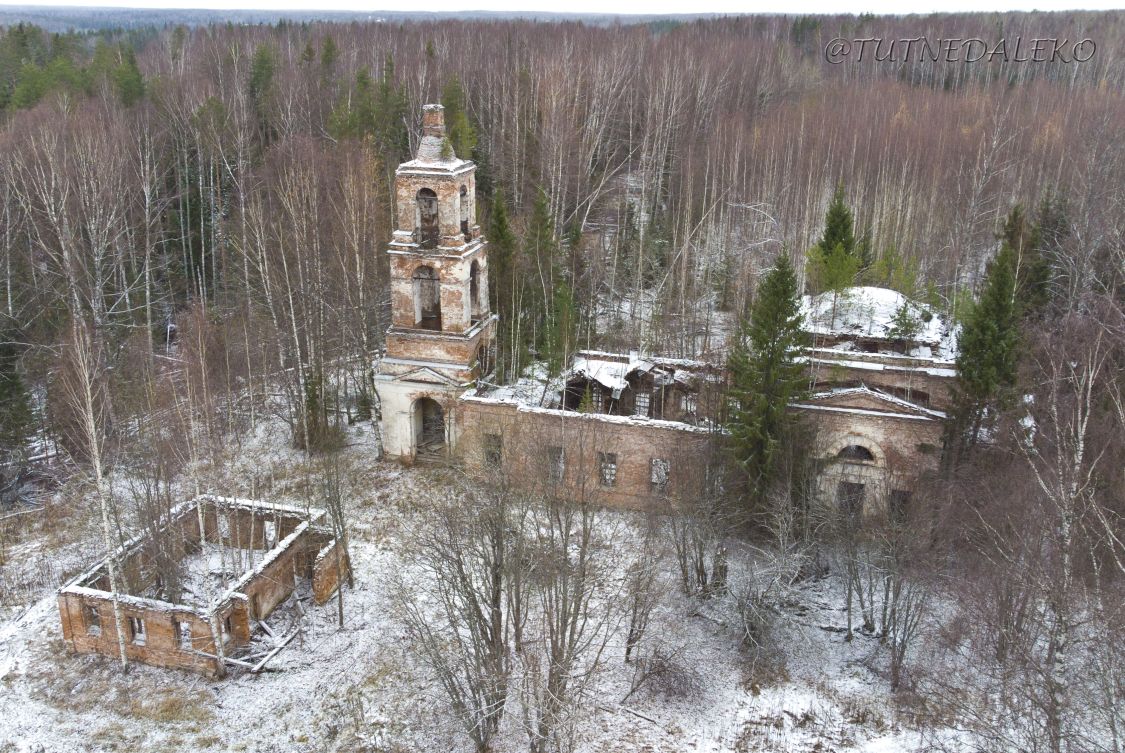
(441, 338)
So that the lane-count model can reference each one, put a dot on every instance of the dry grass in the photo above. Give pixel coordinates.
(169, 707)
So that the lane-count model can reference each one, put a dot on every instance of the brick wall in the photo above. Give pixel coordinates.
(527, 436)
(163, 627)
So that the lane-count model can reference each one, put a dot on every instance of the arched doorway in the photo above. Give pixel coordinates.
(429, 428)
(427, 299)
(855, 477)
(426, 218)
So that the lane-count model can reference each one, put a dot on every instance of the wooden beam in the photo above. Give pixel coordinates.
(277, 649)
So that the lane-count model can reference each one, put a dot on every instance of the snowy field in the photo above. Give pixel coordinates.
(360, 688)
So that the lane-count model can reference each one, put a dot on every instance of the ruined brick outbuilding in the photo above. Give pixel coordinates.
(192, 591)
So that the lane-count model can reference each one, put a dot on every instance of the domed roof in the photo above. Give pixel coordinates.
(868, 312)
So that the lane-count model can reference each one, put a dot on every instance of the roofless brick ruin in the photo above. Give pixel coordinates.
(195, 592)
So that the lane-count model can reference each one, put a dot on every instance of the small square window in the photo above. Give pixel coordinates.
(93, 620)
(607, 466)
(137, 630)
(641, 404)
(689, 402)
(493, 449)
(556, 464)
(659, 475)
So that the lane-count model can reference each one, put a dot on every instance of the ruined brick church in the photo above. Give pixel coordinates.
(646, 423)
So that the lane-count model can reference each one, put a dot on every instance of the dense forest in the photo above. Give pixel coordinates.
(192, 223)
(644, 172)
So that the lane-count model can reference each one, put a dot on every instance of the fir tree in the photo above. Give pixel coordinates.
(461, 132)
(838, 224)
(540, 252)
(502, 245)
(1033, 272)
(561, 326)
(391, 136)
(904, 324)
(987, 356)
(127, 78)
(836, 259)
(329, 53)
(766, 375)
(832, 270)
(15, 404)
(260, 87)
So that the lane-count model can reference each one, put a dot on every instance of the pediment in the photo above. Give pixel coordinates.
(868, 400)
(428, 376)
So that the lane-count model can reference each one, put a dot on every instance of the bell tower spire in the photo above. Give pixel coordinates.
(441, 337)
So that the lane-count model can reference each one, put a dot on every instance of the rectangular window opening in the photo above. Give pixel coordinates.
(493, 449)
(137, 630)
(183, 633)
(899, 505)
(849, 497)
(641, 405)
(556, 464)
(607, 466)
(93, 620)
(660, 471)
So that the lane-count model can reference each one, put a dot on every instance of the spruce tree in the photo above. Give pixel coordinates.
(541, 258)
(766, 375)
(127, 78)
(502, 280)
(462, 135)
(15, 404)
(837, 258)
(832, 270)
(1033, 272)
(838, 224)
(987, 355)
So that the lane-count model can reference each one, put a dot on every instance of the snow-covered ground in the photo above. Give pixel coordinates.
(360, 687)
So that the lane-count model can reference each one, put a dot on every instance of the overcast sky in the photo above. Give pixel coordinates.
(610, 6)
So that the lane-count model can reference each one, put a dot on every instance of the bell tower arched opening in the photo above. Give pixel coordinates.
(427, 299)
(426, 226)
(474, 292)
(464, 202)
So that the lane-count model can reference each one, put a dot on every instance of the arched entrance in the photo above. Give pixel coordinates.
(429, 429)
(853, 478)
